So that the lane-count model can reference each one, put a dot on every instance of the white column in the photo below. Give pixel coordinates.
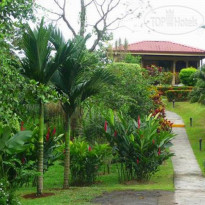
(174, 73)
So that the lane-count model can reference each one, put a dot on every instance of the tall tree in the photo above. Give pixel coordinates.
(39, 65)
(105, 16)
(74, 80)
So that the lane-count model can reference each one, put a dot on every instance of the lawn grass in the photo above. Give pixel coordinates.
(162, 180)
(195, 111)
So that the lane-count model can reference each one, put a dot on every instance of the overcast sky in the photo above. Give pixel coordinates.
(168, 20)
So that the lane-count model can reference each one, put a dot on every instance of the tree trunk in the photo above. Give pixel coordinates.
(67, 152)
(40, 150)
(82, 18)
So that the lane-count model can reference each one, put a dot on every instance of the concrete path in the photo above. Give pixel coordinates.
(188, 180)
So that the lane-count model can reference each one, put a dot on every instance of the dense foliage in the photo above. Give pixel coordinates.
(198, 92)
(7, 195)
(86, 161)
(13, 14)
(140, 146)
(186, 76)
(131, 91)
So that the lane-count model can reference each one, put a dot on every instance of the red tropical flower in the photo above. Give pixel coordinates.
(138, 122)
(105, 126)
(22, 128)
(159, 151)
(89, 148)
(23, 160)
(48, 135)
(115, 133)
(153, 141)
(54, 131)
(138, 161)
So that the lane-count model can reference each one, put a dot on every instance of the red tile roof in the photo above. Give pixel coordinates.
(161, 47)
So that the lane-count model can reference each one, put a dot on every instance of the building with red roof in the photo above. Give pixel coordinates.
(171, 56)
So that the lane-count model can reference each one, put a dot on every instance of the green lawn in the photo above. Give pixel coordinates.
(197, 131)
(162, 180)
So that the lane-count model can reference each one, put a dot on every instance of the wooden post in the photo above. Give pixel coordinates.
(174, 73)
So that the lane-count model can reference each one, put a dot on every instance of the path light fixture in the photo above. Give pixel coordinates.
(173, 103)
(200, 144)
(191, 120)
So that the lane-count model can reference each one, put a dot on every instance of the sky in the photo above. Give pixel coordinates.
(178, 21)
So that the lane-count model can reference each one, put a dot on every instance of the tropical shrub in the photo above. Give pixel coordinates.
(186, 76)
(11, 145)
(198, 92)
(166, 78)
(7, 195)
(130, 93)
(129, 58)
(140, 146)
(159, 112)
(86, 160)
(178, 95)
(52, 144)
(155, 74)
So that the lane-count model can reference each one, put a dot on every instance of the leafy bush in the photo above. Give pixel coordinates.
(159, 112)
(129, 58)
(7, 196)
(178, 95)
(167, 78)
(130, 94)
(186, 76)
(198, 93)
(140, 146)
(86, 161)
(155, 74)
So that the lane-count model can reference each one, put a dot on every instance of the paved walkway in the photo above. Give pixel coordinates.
(188, 180)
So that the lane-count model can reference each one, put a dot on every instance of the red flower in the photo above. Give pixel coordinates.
(22, 128)
(153, 141)
(89, 148)
(105, 126)
(159, 151)
(54, 131)
(138, 122)
(23, 160)
(48, 135)
(138, 161)
(115, 133)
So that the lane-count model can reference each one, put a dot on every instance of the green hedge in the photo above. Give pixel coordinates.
(164, 89)
(178, 95)
(186, 76)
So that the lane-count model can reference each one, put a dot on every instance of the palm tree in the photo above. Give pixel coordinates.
(73, 80)
(40, 64)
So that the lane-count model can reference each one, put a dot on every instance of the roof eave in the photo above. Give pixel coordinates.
(202, 54)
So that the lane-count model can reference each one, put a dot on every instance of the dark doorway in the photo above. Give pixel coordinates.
(180, 65)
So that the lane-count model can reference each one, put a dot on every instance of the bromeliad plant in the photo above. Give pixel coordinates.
(86, 161)
(139, 146)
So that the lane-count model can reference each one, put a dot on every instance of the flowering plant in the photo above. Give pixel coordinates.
(7, 195)
(86, 161)
(140, 148)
